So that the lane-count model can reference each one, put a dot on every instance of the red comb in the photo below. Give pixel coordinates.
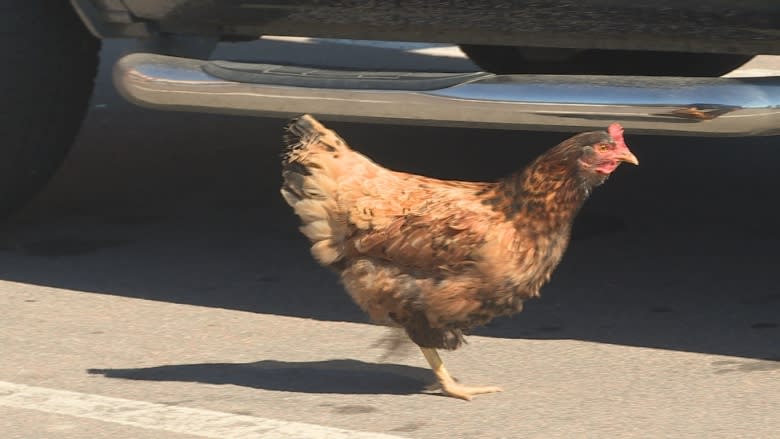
(616, 132)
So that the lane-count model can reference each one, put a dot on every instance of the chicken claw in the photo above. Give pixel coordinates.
(448, 385)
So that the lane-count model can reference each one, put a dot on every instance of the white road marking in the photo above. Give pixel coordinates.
(431, 49)
(761, 65)
(192, 421)
(747, 73)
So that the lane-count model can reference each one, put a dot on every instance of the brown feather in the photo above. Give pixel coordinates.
(437, 257)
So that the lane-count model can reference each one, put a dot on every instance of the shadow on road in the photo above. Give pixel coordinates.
(695, 272)
(680, 253)
(332, 376)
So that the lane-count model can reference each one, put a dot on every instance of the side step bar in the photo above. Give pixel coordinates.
(654, 105)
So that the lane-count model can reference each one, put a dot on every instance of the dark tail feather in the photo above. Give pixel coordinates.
(300, 132)
(309, 189)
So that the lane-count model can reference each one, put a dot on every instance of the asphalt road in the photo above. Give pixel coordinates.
(161, 266)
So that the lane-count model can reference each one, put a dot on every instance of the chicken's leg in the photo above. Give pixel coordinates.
(448, 385)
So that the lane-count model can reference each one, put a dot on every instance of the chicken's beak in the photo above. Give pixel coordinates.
(628, 157)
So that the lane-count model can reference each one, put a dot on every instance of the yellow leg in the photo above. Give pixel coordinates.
(448, 385)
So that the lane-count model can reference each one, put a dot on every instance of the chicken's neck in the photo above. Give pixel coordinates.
(541, 202)
(545, 197)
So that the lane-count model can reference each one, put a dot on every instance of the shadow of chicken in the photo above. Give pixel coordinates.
(440, 257)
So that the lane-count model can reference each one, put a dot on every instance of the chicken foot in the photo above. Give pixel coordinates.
(449, 386)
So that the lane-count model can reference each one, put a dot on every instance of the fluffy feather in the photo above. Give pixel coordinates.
(439, 257)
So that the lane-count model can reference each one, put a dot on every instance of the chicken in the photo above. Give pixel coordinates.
(440, 257)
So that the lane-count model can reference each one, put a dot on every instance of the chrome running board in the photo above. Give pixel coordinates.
(654, 105)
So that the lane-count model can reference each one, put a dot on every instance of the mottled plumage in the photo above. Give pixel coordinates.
(439, 257)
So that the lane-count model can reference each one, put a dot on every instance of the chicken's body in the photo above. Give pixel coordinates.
(436, 257)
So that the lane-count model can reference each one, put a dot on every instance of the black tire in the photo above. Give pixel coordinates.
(507, 60)
(50, 61)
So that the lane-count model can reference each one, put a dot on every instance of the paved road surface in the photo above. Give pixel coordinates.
(159, 288)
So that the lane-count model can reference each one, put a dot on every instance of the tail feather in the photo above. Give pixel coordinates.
(307, 134)
(311, 167)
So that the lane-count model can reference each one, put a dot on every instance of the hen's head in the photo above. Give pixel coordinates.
(599, 153)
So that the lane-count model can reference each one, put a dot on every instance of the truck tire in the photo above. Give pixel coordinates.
(509, 59)
(45, 85)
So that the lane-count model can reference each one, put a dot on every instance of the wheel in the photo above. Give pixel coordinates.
(508, 59)
(45, 85)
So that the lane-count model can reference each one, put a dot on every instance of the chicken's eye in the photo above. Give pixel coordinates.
(602, 147)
